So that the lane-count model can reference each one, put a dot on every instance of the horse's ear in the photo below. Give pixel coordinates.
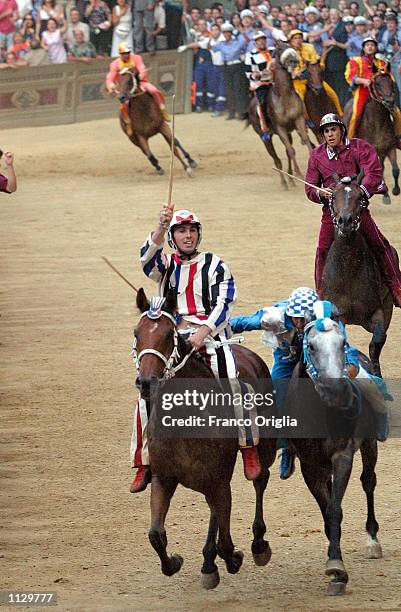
(308, 316)
(142, 301)
(336, 178)
(360, 177)
(171, 301)
(335, 312)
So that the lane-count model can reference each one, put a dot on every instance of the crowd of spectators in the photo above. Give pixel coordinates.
(34, 32)
(335, 32)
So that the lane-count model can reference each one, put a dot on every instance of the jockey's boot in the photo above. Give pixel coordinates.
(251, 461)
(397, 297)
(141, 480)
(287, 464)
(382, 426)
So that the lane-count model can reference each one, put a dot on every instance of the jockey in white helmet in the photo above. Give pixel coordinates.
(206, 293)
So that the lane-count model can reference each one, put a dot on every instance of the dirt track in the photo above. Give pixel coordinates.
(69, 523)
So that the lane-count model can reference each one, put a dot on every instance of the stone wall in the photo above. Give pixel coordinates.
(66, 93)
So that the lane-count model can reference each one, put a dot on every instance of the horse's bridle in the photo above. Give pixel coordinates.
(375, 96)
(135, 81)
(311, 369)
(170, 369)
(357, 221)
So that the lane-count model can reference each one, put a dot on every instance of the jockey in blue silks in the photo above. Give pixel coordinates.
(283, 330)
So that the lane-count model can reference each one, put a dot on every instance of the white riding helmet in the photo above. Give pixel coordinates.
(179, 218)
(301, 299)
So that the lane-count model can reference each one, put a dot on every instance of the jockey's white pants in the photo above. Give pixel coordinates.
(222, 364)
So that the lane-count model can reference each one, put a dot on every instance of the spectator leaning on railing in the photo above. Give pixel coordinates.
(53, 42)
(74, 23)
(81, 50)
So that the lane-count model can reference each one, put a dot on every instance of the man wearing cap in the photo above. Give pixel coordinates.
(257, 66)
(134, 62)
(206, 293)
(307, 55)
(203, 65)
(358, 74)
(232, 50)
(349, 157)
(247, 20)
(357, 37)
(313, 28)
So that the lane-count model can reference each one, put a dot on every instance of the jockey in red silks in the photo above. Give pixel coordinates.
(359, 73)
(339, 155)
(135, 62)
(206, 293)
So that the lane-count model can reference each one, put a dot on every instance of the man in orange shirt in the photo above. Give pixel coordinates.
(135, 62)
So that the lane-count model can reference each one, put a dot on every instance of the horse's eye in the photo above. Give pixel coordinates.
(311, 348)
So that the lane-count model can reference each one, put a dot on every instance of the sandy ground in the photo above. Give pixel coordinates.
(69, 523)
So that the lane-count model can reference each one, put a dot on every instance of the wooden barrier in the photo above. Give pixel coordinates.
(66, 93)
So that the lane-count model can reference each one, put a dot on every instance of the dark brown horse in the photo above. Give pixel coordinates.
(341, 417)
(351, 277)
(285, 110)
(147, 121)
(376, 125)
(204, 465)
(317, 101)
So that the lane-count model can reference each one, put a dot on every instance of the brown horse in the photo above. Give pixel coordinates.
(284, 109)
(352, 279)
(147, 121)
(204, 465)
(376, 125)
(253, 119)
(317, 101)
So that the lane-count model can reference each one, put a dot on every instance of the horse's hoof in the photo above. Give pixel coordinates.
(160, 171)
(234, 564)
(396, 191)
(336, 588)
(335, 567)
(174, 566)
(373, 551)
(262, 558)
(386, 199)
(210, 581)
(193, 163)
(189, 172)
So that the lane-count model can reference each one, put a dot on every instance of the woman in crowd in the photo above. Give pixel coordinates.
(122, 21)
(47, 10)
(28, 28)
(99, 18)
(53, 42)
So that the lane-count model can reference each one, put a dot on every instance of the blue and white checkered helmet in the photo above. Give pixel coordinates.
(300, 300)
